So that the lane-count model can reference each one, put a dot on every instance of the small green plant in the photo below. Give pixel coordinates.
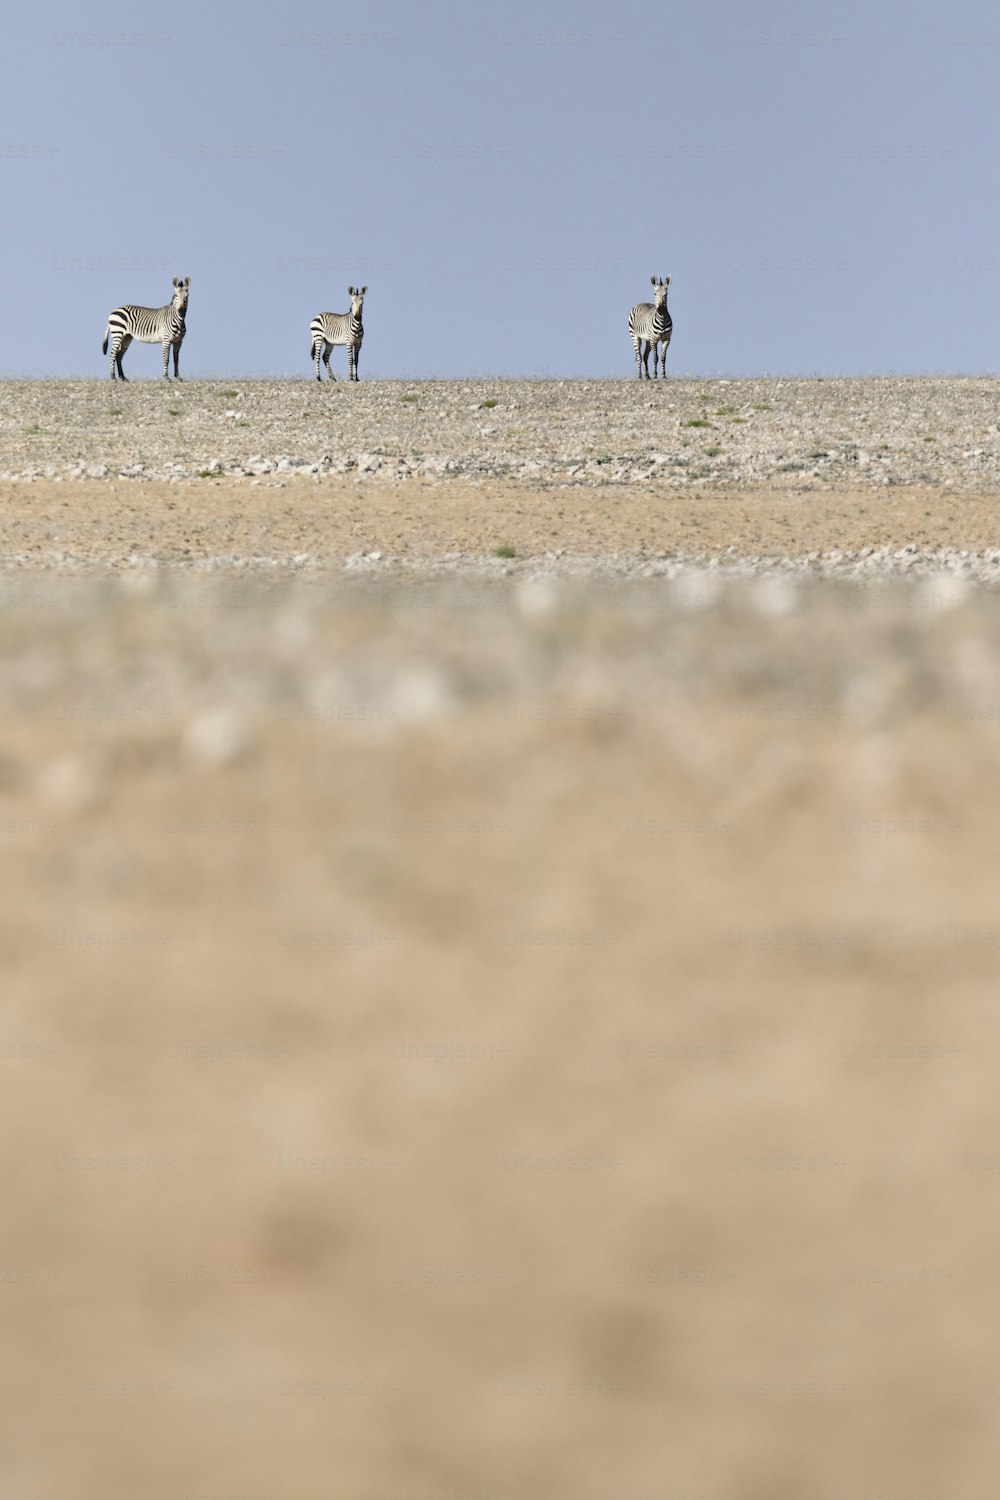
(33, 429)
(725, 411)
(697, 422)
(505, 551)
(488, 405)
(930, 440)
(763, 407)
(172, 411)
(229, 395)
(407, 398)
(208, 474)
(742, 420)
(712, 452)
(821, 454)
(115, 411)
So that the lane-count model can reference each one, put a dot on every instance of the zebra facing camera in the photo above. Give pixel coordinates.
(150, 325)
(650, 326)
(329, 329)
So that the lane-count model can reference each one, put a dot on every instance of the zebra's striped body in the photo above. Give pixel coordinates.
(150, 325)
(651, 325)
(328, 329)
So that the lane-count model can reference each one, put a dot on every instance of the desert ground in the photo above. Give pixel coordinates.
(501, 923)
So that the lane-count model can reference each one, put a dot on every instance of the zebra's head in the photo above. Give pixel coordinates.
(660, 285)
(181, 294)
(357, 296)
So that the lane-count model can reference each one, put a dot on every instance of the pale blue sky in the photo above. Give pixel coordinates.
(819, 180)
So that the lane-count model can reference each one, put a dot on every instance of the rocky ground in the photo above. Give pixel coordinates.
(789, 433)
(500, 971)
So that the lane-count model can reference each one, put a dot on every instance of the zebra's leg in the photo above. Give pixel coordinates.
(177, 355)
(638, 357)
(644, 358)
(123, 344)
(327, 351)
(355, 351)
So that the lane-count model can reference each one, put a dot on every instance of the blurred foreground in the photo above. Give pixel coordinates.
(499, 1040)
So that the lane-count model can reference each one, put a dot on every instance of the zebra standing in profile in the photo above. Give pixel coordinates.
(650, 326)
(328, 329)
(150, 325)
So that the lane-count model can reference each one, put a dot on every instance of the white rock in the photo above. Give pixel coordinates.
(216, 736)
(696, 589)
(775, 596)
(537, 597)
(944, 591)
(419, 695)
(71, 782)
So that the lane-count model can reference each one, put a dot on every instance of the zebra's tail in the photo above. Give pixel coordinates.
(107, 335)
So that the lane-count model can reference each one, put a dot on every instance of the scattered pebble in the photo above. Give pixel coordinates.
(792, 433)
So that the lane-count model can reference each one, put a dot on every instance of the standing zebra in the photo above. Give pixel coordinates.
(650, 326)
(150, 325)
(328, 329)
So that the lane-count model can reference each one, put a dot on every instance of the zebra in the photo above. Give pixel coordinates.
(328, 329)
(150, 325)
(650, 326)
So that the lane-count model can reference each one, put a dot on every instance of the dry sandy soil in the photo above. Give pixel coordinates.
(415, 527)
(499, 1027)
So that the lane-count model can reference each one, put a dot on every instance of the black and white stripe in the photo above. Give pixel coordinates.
(328, 329)
(651, 325)
(150, 325)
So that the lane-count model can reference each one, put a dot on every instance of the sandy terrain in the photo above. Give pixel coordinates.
(524, 1033)
(324, 527)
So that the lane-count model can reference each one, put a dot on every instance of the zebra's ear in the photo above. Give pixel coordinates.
(350, 291)
(652, 281)
(187, 281)
(176, 281)
(668, 281)
(362, 291)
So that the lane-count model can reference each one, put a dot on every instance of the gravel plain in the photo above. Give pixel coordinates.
(874, 432)
(859, 478)
(500, 960)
